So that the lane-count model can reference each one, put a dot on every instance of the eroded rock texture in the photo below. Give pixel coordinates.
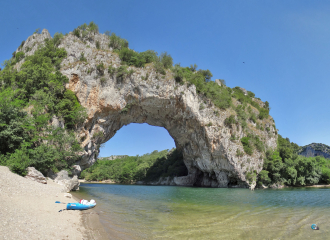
(196, 125)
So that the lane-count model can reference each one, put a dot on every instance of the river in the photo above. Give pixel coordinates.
(170, 212)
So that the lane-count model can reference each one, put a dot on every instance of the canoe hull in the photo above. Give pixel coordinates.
(79, 206)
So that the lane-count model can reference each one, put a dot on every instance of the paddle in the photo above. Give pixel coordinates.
(60, 202)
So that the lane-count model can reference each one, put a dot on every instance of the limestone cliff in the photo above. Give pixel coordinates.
(212, 155)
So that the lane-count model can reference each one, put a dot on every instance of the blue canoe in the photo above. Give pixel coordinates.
(79, 206)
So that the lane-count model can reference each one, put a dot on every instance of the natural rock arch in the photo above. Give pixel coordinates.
(196, 125)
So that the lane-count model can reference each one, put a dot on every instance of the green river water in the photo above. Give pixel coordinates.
(169, 212)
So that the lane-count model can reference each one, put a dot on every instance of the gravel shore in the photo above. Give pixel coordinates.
(28, 210)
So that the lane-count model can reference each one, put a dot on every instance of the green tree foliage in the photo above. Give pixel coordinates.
(132, 58)
(166, 60)
(100, 68)
(247, 145)
(38, 88)
(284, 166)
(148, 167)
(220, 95)
(13, 123)
(229, 121)
(117, 42)
(85, 31)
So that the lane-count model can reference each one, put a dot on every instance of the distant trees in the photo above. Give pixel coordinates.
(284, 166)
(148, 167)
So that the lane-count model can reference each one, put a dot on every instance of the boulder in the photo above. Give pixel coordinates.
(35, 175)
(76, 170)
(217, 81)
(62, 178)
(244, 91)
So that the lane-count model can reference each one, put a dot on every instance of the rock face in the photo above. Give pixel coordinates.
(194, 122)
(315, 149)
(62, 178)
(35, 175)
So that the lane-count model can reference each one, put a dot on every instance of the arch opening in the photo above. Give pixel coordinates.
(136, 154)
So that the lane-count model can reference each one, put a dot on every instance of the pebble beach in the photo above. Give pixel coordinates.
(28, 211)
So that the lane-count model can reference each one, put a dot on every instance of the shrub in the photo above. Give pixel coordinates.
(97, 44)
(130, 72)
(130, 57)
(230, 120)
(251, 176)
(121, 73)
(100, 68)
(22, 44)
(264, 178)
(207, 74)
(159, 68)
(251, 94)
(232, 137)
(111, 70)
(253, 118)
(103, 80)
(239, 153)
(178, 73)
(193, 68)
(246, 145)
(97, 135)
(57, 38)
(82, 57)
(84, 31)
(92, 27)
(125, 109)
(117, 42)
(76, 32)
(166, 60)
(263, 113)
(149, 56)
(37, 31)
(19, 56)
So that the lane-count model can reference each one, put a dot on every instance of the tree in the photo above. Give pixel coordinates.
(207, 74)
(166, 60)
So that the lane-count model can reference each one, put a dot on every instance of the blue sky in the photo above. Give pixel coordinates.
(284, 44)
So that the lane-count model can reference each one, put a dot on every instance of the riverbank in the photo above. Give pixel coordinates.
(103, 181)
(28, 211)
